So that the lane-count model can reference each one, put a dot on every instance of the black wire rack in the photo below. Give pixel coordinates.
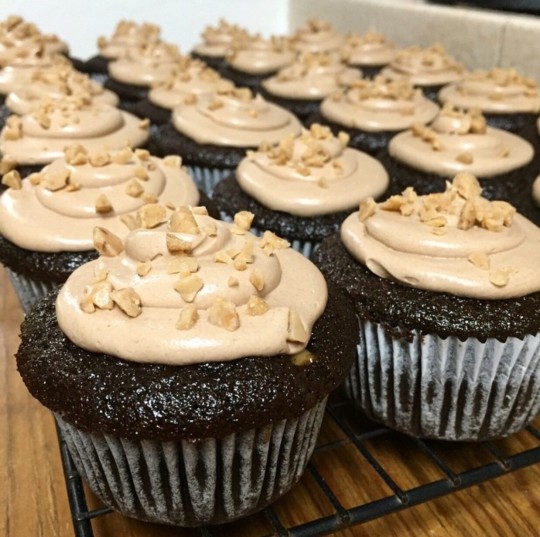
(370, 457)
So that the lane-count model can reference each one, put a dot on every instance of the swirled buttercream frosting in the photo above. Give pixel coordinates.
(40, 137)
(317, 36)
(312, 174)
(370, 48)
(234, 118)
(58, 208)
(454, 242)
(498, 91)
(311, 76)
(192, 289)
(460, 141)
(379, 105)
(127, 35)
(424, 66)
(216, 40)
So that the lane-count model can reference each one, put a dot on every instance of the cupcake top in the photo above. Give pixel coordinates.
(55, 83)
(460, 141)
(259, 56)
(497, 91)
(127, 35)
(234, 118)
(193, 77)
(536, 191)
(146, 64)
(311, 174)
(455, 242)
(57, 209)
(317, 36)
(424, 66)
(192, 289)
(40, 137)
(216, 40)
(379, 105)
(311, 76)
(370, 48)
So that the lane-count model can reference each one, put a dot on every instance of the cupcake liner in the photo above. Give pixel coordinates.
(446, 389)
(192, 483)
(207, 178)
(29, 290)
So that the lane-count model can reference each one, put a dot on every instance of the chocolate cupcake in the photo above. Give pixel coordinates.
(447, 292)
(369, 52)
(316, 36)
(303, 187)
(224, 369)
(426, 157)
(371, 112)
(47, 220)
(302, 86)
(213, 133)
(427, 68)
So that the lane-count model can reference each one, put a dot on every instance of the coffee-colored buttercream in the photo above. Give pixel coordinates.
(40, 137)
(197, 306)
(216, 40)
(379, 105)
(311, 175)
(127, 35)
(317, 36)
(311, 76)
(458, 141)
(57, 209)
(456, 242)
(498, 91)
(234, 118)
(424, 66)
(370, 48)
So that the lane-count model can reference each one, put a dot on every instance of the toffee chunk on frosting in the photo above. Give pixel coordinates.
(371, 49)
(317, 35)
(127, 34)
(217, 40)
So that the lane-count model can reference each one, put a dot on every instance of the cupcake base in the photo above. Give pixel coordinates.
(129, 94)
(215, 62)
(156, 114)
(301, 108)
(244, 80)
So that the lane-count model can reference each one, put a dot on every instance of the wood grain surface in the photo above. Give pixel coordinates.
(33, 500)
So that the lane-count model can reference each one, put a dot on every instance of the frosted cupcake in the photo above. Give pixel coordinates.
(369, 52)
(371, 112)
(317, 36)
(447, 290)
(303, 187)
(47, 220)
(214, 355)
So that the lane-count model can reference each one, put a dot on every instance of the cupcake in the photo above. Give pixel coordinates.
(456, 140)
(213, 133)
(507, 99)
(316, 36)
(369, 52)
(251, 59)
(192, 78)
(216, 41)
(302, 86)
(47, 220)
(428, 68)
(447, 292)
(371, 112)
(126, 35)
(33, 140)
(303, 187)
(209, 379)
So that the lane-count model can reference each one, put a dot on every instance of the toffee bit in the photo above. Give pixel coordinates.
(223, 313)
(296, 331)
(12, 180)
(152, 215)
(187, 318)
(107, 243)
(367, 209)
(256, 306)
(479, 260)
(188, 287)
(128, 301)
(103, 205)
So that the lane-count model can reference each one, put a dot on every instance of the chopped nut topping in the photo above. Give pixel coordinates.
(233, 282)
(182, 265)
(176, 244)
(76, 155)
(87, 304)
(183, 221)
(257, 279)
(100, 295)
(210, 229)
(200, 210)
(465, 158)
(152, 215)
(173, 161)
(103, 205)
(141, 173)
(367, 209)
(144, 268)
(256, 306)
(504, 152)
(223, 256)
(149, 197)
(188, 287)
(296, 331)
(499, 278)
(12, 180)
(190, 99)
(35, 178)
(13, 128)
(303, 358)
(144, 123)
(99, 159)
(467, 185)
(128, 301)
(243, 220)
(7, 164)
(271, 242)
(123, 156)
(142, 154)
(134, 189)
(187, 318)
(106, 243)
(55, 180)
(223, 313)
(479, 260)
(130, 221)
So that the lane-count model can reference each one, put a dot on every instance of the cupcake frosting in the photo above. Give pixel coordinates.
(312, 76)
(317, 36)
(55, 83)
(379, 105)
(424, 66)
(460, 141)
(146, 64)
(371, 48)
(40, 137)
(454, 242)
(310, 175)
(193, 77)
(127, 35)
(193, 289)
(57, 209)
(216, 40)
(234, 118)
(499, 90)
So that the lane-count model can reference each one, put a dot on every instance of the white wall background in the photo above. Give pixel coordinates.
(80, 22)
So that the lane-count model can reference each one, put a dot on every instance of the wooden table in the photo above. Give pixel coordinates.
(33, 501)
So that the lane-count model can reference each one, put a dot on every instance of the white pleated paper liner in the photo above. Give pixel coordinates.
(29, 290)
(446, 389)
(207, 178)
(194, 483)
